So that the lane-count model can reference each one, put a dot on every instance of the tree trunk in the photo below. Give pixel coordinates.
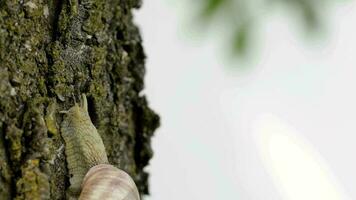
(52, 51)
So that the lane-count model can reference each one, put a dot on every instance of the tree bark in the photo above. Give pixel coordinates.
(52, 51)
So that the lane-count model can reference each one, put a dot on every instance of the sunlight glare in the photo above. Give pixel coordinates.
(297, 170)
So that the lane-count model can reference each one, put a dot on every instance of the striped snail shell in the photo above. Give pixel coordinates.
(106, 182)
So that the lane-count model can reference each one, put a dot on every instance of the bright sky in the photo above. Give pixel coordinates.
(212, 143)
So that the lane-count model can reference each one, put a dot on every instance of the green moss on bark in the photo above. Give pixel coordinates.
(50, 53)
(33, 183)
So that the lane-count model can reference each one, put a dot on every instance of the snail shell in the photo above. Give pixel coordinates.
(105, 182)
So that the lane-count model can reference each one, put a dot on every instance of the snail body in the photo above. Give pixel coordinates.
(91, 176)
(84, 147)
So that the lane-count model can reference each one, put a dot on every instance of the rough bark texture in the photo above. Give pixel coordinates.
(51, 51)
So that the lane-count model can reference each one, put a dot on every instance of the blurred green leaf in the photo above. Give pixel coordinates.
(311, 17)
(237, 10)
(211, 6)
(240, 41)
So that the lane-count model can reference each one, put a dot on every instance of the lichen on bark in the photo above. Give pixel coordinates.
(50, 53)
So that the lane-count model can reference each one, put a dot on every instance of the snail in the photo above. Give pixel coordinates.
(91, 175)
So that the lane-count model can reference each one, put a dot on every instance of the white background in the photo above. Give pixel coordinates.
(206, 147)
